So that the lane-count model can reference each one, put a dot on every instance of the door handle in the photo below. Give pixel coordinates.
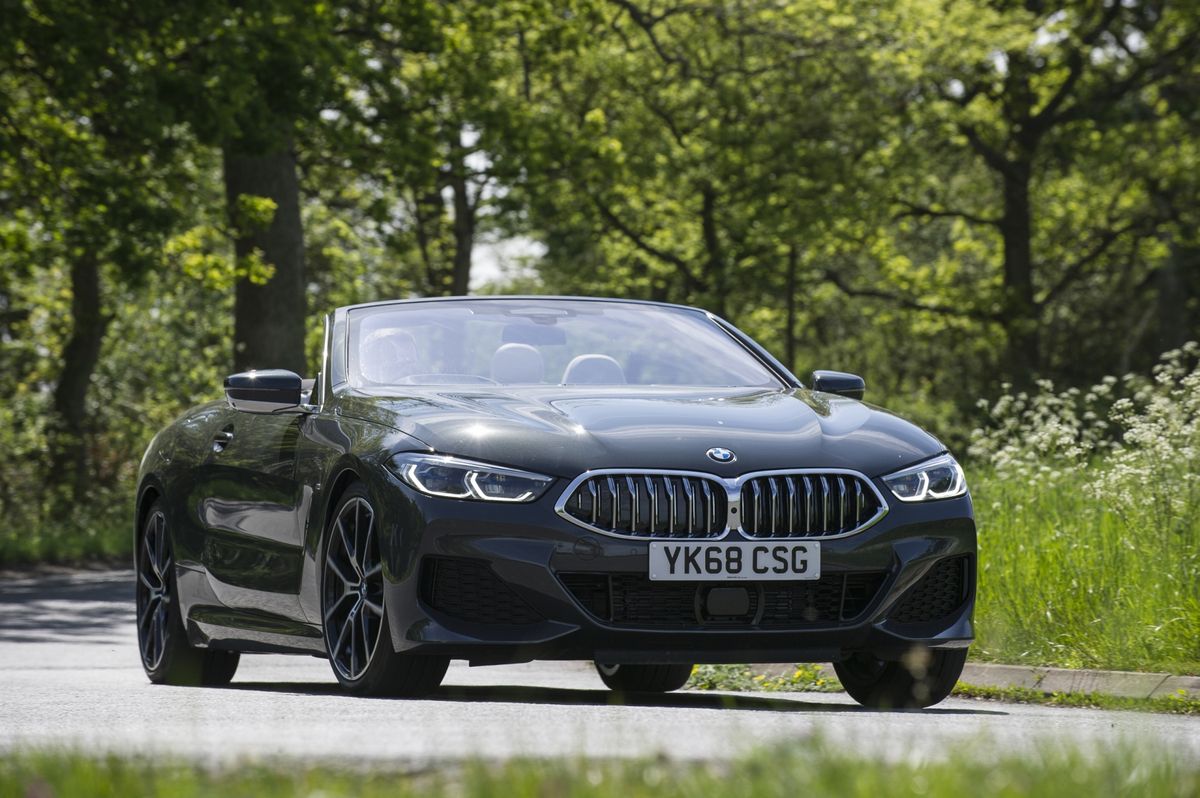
(221, 440)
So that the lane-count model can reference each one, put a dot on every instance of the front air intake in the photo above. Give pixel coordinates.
(471, 591)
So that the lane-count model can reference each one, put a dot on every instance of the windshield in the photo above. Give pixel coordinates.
(544, 342)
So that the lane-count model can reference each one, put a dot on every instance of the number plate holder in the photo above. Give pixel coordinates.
(752, 561)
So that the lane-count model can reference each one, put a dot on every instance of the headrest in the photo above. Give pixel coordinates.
(388, 356)
(517, 363)
(594, 370)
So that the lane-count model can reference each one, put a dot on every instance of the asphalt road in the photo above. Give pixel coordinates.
(70, 678)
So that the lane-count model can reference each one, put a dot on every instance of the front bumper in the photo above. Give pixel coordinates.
(528, 548)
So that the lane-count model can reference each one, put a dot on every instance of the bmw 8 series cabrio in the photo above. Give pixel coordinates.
(500, 480)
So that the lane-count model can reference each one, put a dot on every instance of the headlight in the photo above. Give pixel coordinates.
(452, 478)
(939, 478)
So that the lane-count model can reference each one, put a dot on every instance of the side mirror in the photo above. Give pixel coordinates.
(840, 383)
(266, 391)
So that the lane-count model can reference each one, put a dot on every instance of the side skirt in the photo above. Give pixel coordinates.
(251, 631)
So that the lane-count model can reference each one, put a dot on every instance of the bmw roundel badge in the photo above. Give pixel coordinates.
(721, 455)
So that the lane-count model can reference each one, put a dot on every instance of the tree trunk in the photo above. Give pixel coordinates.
(68, 446)
(715, 265)
(464, 227)
(789, 346)
(268, 326)
(1173, 293)
(1020, 317)
(427, 210)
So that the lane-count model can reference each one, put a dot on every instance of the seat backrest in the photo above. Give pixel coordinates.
(517, 363)
(593, 370)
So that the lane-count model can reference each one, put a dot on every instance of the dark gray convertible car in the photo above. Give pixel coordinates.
(506, 479)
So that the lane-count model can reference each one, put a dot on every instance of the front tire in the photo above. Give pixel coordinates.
(644, 678)
(923, 679)
(355, 629)
(167, 657)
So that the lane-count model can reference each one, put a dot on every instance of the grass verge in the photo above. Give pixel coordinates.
(812, 770)
(1178, 704)
(1065, 581)
(811, 679)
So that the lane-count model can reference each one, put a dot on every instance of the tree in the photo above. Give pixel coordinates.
(82, 186)
(249, 79)
(1030, 91)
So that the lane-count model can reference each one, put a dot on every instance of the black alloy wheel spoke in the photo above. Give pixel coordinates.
(153, 592)
(352, 592)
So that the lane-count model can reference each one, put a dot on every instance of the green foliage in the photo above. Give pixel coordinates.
(1089, 539)
(802, 678)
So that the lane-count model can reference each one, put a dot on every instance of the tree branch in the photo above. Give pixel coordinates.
(1076, 62)
(614, 221)
(899, 299)
(994, 158)
(647, 22)
(9, 317)
(1143, 74)
(923, 211)
(1076, 268)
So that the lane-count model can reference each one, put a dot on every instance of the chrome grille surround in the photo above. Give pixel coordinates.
(604, 501)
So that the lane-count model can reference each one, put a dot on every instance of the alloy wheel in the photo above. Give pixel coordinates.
(153, 591)
(352, 590)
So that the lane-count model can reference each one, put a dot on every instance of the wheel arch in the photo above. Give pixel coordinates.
(150, 491)
(343, 477)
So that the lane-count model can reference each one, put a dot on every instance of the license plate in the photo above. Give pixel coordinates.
(734, 562)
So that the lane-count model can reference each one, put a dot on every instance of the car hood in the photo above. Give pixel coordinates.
(564, 431)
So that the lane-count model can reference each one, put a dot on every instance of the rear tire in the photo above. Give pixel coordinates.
(644, 678)
(356, 630)
(167, 657)
(923, 679)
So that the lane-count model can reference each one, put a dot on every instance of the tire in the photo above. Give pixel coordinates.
(644, 678)
(920, 681)
(166, 655)
(354, 619)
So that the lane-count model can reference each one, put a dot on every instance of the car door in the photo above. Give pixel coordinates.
(250, 508)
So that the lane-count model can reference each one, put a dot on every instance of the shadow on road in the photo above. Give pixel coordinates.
(78, 607)
(512, 694)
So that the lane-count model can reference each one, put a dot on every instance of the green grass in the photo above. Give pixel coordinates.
(804, 768)
(811, 679)
(1178, 704)
(1064, 581)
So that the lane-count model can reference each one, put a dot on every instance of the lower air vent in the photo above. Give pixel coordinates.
(470, 590)
(633, 600)
(938, 595)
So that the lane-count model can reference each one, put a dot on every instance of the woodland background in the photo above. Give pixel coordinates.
(955, 199)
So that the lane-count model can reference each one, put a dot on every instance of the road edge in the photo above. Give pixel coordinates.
(1119, 684)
